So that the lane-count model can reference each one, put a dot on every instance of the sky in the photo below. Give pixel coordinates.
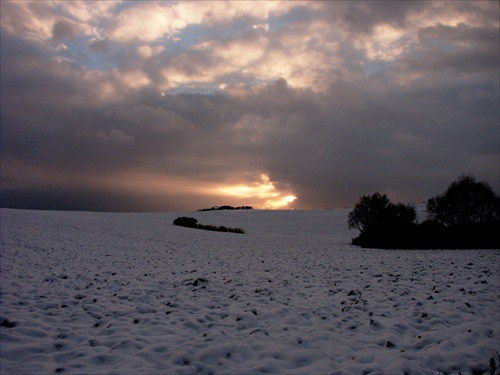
(179, 105)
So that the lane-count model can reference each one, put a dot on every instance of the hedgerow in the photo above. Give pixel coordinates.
(191, 222)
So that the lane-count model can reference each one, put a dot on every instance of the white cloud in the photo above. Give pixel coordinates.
(135, 78)
(146, 21)
(236, 54)
(42, 21)
(146, 51)
(88, 11)
(168, 19)
(386, 43)
(261, 26)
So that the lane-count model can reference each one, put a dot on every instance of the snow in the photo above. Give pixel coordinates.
(109, 293)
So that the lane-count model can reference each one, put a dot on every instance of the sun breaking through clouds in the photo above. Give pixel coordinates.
(263, 190)
(179, 105)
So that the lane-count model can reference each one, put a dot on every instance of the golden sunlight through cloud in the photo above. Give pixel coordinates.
(264, 190)
(280, 202)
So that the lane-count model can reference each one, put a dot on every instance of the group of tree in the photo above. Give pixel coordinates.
(220, 208)
(465, 216)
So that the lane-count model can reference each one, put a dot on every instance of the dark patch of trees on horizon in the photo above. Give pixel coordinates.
(191, 222)
(220, 208)
(466, 216)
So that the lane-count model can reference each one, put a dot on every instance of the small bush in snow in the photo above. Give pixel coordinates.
(191, 222)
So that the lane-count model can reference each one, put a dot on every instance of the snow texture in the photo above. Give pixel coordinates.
(106, 293)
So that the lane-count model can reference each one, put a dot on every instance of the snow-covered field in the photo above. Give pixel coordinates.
(104, 293)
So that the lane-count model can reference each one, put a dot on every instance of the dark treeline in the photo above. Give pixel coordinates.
(220, 208)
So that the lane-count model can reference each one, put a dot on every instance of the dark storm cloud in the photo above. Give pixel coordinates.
(340, 117)
(461, 48)
(362, 17)
(63, 29)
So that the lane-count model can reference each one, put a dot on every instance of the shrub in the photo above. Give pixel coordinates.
(191, 222)
(400, 215)
(220, 208)
(368, 211)
(236, 230)
(376, 211)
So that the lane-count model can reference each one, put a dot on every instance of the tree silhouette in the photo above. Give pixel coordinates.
(466, 216)
(466, 201)
(376, 211)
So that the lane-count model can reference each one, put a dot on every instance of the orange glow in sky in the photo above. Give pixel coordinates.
(262, 190)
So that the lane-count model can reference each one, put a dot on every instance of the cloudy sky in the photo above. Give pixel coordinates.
(154, 106)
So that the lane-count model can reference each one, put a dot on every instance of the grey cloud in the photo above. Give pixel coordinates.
(330, 148)
(95, 200)
(364, 134)
(461, 48)
(99, 45)
(388, 143)
(480, 12)
(363, 16)
(63, 29)
(114, 135)
(81, 137)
